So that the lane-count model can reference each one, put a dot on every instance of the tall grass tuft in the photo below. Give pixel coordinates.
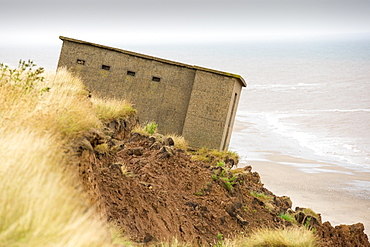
(40, 206)
(288, 237)
(110, 109)
(179, 141)
(40, 202)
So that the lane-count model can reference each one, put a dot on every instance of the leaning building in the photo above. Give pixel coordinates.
(195, 102)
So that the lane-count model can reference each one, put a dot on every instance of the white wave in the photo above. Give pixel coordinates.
(338, 150)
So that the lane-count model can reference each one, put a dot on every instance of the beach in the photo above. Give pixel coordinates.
(330, 190)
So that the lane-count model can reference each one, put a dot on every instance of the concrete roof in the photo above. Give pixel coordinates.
(157, 59)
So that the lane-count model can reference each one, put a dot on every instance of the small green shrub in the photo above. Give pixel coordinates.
(227, 184)
(287, 217)
(148, 129)
(220, 164)
(151, 128)
(199, 193)
(25, 76)
(220, 240)
(261, 196)
(223, 176)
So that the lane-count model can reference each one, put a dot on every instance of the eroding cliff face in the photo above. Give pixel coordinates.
(155, 192)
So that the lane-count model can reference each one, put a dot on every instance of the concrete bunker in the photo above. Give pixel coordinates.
(195, 102)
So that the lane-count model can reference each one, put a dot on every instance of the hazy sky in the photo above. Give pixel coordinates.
(149, 21)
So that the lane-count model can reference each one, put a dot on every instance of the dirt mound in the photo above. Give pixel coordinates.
(155, 192)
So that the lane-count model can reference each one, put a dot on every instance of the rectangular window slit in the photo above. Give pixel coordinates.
(80, 61)
(105, 67)
(131, 73)
(157, 79)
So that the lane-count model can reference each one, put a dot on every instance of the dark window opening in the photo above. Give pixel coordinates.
(157, 79)
(105, 67)
(80, 61)
(131, 73)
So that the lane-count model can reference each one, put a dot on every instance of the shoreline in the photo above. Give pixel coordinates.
(323, 187)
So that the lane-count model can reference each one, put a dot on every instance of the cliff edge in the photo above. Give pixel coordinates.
(155, 192)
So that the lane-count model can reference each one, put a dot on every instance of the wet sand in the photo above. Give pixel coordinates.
(323, 187)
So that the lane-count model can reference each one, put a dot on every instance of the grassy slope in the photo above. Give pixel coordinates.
(40, 205)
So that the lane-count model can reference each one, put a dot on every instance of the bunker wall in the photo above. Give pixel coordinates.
(160, 92)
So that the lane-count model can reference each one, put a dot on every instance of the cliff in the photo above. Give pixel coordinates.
(155, 192)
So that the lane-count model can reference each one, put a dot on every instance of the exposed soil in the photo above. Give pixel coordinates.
(161, 193)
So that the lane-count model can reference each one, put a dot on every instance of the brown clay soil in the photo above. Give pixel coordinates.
(162, 194)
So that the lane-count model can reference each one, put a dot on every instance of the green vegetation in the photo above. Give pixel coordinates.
(288, 217)
(223, 175)
(220, 164)
(262, 196)
(25, 76)
(204, 190)
(214, 156)
(310, 212)
(220, 240)
(146, 130)
(228, 183)
(151, 128)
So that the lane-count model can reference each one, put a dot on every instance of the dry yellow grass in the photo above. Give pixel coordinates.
(288, 237)
(110, 109)
(214, 156)
(179, 141)
(40, 205)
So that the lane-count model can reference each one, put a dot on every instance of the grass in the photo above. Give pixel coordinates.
(40, 205)
(288, 237)
(214, 156)
(126, 172)
(147, 129)
(110, 109)
(150, 129)
(179, 141)
(261, 196)
(223, 175)
(288, 217)
(310, 212)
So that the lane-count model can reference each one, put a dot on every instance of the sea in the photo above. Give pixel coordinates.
(307, 98)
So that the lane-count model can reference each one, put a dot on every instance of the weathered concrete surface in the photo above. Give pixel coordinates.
(195, 102)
